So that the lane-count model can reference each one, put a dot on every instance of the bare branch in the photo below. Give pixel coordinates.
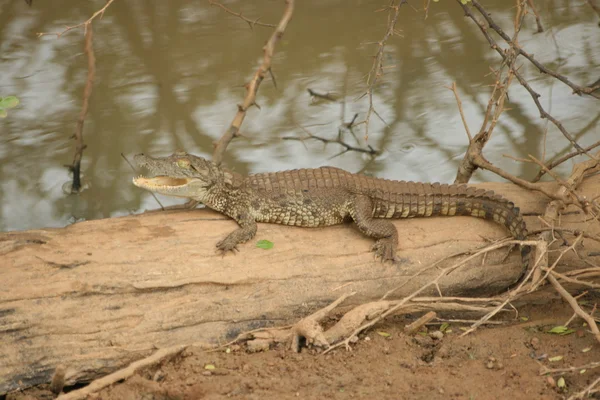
(575, 306)
(376, 71)
(84, 24)
(562, 159)
(253, 85)
(576, 88)
(250, 22)
(460, 110)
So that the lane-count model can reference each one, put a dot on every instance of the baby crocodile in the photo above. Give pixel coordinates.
(321, 197)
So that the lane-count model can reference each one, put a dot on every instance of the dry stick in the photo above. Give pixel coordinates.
(122, 374)
(87, 92)
(253, 85)
(581, 202)
(587, 391)
(377, 69)
(576, 88)
(239, 15)
(496, 104)
(562, 159)
(513, 294)
(434, 282)
(413, 327)
(474, 159)
(426, 8)
(550, 269)
(545, 370)
(460, 110)
(575, 306)
(84, 24)
(575, 281)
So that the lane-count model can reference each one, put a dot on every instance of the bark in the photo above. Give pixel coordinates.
(98, 295)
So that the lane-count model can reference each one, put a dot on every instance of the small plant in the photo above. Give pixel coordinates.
(6, 103)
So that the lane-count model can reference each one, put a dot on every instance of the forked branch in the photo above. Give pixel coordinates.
(252, 87)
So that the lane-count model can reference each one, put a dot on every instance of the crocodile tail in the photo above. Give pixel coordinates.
(481, 203)
(400, 199)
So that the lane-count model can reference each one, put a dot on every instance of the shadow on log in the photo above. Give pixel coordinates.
(98, 295)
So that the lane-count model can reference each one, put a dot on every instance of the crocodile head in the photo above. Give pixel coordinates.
(180, 175)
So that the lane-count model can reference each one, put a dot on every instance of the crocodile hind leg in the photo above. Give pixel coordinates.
(381, 229)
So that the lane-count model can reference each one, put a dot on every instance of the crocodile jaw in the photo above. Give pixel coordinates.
(167, 185)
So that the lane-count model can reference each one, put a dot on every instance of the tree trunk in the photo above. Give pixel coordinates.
(97, 295)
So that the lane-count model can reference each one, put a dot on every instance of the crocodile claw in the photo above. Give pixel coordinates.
(385, 250)
(227, 245)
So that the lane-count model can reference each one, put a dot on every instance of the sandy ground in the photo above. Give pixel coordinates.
(499, 362)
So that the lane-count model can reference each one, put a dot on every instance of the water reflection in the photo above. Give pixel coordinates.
(169, 76)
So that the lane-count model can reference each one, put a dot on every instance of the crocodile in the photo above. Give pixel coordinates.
(321, 197)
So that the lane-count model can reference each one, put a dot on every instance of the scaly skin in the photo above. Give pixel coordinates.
(321, 197)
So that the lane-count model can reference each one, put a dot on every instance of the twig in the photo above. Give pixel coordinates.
(550, 269)
(87, 92)
(513, 294)
(545, 370)
(434, 282)
(587, 391)
(122, 374)
(413, 327)
(576, 88)
(377, 69)
(494, 109)
(460, 110)
(85, 24)
(253, 85)
(564, 158)
(250, 22)
(575, 306)
(534, 95)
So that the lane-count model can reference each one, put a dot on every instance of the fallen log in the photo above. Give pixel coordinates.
(98, 295)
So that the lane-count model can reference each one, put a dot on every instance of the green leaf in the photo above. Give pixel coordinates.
(561, 383)
(555, 358)
(444, 326)
(384, 334)
(3, 113)
(209, 366)
(560, 330)
(8, 102)
(524, 319)
(264, 244)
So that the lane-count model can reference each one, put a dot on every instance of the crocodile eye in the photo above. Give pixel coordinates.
(181, 163)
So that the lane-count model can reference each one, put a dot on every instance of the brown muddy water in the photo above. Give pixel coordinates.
(169, 76)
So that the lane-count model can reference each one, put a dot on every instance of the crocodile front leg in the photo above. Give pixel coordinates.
(245, 232)
(383, 230)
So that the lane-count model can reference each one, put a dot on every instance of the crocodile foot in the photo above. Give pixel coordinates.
(226, 245)
(385, 249)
